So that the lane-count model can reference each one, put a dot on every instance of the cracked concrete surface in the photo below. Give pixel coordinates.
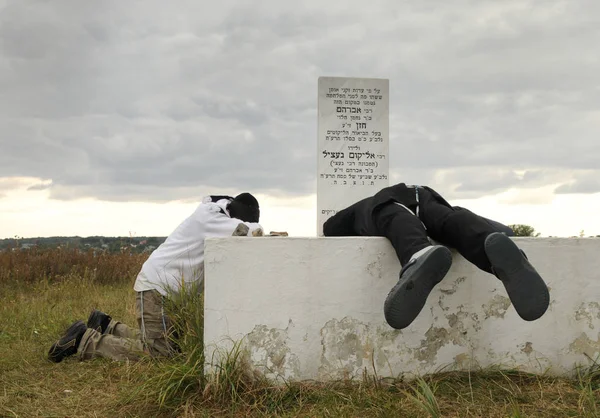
(313, 309)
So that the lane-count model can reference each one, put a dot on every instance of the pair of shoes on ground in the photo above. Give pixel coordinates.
(67, 344)
(525, 287)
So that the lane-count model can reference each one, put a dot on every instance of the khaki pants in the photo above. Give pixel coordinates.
(121, 342)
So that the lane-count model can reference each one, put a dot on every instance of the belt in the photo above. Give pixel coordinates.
(412, 186)
(416, 187)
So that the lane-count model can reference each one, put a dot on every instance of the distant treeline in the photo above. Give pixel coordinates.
(111, 244)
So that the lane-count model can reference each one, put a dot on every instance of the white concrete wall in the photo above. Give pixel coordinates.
(312, 308)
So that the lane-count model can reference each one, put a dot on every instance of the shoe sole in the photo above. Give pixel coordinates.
(525, 287)
(407, 298)
(58, 352)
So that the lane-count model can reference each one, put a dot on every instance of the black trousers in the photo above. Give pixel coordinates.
(453, 227)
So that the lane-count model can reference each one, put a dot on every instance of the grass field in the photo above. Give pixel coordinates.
(41, 293)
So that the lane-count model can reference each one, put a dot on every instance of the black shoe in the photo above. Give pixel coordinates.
(407, 298)
(67, 344)
(99, 321)
(525, 287)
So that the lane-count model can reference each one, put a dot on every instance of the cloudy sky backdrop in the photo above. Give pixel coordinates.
(116, 117)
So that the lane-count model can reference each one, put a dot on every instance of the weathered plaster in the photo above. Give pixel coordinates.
(268, 350)
(312, 308)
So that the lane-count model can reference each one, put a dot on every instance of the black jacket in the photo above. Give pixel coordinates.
(357, 219)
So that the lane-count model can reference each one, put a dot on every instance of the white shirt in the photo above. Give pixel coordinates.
(181, 256)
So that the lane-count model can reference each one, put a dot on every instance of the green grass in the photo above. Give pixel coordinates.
(34, 313)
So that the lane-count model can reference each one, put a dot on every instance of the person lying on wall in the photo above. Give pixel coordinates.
(409, 216)
(180, 259)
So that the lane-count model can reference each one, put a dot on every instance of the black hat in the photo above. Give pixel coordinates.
(245, 207)
(247, 199)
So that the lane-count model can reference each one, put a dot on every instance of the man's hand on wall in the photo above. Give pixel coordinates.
(241, 231)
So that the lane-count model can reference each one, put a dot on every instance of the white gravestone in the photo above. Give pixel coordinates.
(353, 142)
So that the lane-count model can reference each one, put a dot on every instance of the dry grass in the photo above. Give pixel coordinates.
(40, 298)
(33, 266)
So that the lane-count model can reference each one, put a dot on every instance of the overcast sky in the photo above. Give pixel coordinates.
(118, 116)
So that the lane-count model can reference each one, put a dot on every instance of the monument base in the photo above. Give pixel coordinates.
(312, 308)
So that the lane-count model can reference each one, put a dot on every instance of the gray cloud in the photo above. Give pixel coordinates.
(7, 184)
(473, 182)
(586, 182)
(127, 101)
(40, 186)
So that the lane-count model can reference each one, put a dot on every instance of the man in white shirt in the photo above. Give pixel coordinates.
(178, 261)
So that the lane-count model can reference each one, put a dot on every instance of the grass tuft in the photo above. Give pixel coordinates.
(424, 397)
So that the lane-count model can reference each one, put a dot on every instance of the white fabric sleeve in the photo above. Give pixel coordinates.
(224, 226)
